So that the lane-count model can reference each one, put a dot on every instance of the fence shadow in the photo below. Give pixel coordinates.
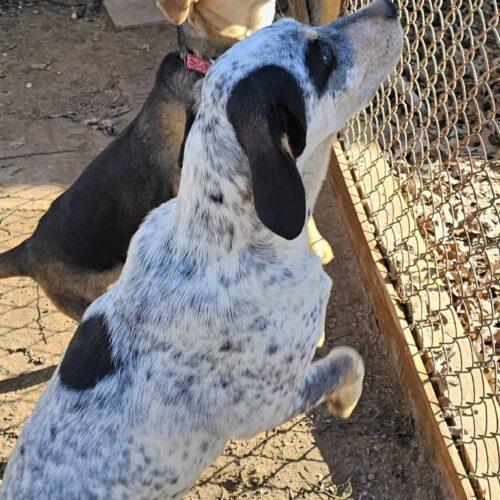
(27, 380)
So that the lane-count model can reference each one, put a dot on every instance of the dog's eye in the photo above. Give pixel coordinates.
(327, 55)
(320, 61)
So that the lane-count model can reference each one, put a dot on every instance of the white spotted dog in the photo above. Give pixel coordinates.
(210, 332)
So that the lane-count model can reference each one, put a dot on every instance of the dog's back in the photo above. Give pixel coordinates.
(167, 366)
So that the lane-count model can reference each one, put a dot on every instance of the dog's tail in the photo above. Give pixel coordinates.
(14, 262)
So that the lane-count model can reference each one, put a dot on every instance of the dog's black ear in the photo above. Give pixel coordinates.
(190, 116)
(267, 112)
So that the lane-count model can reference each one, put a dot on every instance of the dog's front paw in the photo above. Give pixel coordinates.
(323, 250)
(317, 244)
(343, 400)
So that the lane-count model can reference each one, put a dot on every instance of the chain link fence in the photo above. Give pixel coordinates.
(425, 156)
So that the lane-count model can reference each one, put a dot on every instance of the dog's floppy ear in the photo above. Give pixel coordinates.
(176, 11)
(267, 112)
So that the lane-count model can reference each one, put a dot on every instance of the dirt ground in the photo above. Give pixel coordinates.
(65, 85)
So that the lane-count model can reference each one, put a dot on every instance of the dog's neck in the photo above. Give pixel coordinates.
(216, 189)
(159, 126)
(215, 205)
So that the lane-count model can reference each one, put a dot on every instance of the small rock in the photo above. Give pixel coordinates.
(37, 360)
(39, 66)
(17, 143)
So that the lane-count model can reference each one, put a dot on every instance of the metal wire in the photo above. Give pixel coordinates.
(426, 157)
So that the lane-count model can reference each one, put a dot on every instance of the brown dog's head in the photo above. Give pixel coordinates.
(209, 27)
(176, 11)
(234, 19)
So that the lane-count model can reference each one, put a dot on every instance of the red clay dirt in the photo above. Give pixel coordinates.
(64, 85)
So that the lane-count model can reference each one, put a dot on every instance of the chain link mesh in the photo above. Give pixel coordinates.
(425, 155)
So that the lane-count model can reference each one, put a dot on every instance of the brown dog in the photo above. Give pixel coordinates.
(79, 246)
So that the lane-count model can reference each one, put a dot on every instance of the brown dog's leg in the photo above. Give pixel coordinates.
(318, 244)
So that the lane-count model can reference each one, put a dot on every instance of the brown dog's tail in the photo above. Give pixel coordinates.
(14, 262)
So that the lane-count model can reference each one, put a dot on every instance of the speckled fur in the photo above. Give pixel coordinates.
(214, 321)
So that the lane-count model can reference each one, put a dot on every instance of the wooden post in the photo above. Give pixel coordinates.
(298, 10)
(330, 10)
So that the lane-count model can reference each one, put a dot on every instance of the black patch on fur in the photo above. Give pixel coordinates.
(226, 346)
(217, 198)
(320, 62)
(272, 349)
(264, 107)
(88, 357)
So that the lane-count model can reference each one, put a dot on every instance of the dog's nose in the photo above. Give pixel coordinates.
(385, 8)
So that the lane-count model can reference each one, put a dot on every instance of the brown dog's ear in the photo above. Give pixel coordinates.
(267, 111)
(176, 11)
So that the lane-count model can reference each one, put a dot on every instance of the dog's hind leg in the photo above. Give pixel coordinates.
(336, 379)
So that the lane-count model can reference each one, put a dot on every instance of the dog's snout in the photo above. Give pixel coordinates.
(385, 8)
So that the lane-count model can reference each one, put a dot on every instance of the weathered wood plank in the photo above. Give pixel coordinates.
(131, 13)
(330, 10)
(298, 10)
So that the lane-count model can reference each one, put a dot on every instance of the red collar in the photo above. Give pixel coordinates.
(195, 63)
